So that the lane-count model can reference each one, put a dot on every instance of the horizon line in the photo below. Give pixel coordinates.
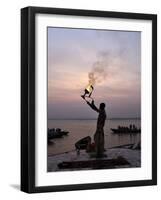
(113, 118)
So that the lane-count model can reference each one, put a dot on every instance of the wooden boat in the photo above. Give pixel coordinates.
(126, 130)
(56, 133)
(58, 130)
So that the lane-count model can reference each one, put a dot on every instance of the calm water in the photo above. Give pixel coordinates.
(82, 128)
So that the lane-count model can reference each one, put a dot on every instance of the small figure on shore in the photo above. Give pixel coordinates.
(134, 127)
(99, 134)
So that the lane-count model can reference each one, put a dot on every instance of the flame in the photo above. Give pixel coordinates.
(89, 88)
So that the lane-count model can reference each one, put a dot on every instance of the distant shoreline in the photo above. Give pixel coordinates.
(106, 119)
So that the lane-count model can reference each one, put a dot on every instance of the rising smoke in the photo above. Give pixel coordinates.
(100, 69)
(107, 64)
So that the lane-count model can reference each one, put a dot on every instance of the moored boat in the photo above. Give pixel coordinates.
(126, 130)
(56, 133)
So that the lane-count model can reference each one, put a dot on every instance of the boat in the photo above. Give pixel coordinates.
(56, 133)
(63, 132)
(126, 130)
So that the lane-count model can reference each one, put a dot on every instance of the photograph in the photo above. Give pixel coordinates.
(93, 99)
(89, 99)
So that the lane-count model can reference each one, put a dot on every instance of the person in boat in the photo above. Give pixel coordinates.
(134, 127)
(99, 134)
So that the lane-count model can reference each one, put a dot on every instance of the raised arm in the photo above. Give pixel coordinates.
(92, 105)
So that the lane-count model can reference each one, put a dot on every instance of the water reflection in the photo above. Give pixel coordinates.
(82, 128)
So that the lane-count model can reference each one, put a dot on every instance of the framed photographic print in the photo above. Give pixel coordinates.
(88, 99)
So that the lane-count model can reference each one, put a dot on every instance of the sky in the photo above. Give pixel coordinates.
(114, 57)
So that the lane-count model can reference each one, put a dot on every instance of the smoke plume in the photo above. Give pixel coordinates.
(99, 70)
(107, 64)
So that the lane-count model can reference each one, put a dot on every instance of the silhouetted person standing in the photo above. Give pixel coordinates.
(99, 134)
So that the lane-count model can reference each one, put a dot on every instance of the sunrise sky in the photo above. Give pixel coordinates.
(73, 53)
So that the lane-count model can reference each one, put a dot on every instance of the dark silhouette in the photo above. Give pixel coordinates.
(99, 134)
(125, 129)
(82, 144)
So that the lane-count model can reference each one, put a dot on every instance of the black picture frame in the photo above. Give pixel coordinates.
(28, 98)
